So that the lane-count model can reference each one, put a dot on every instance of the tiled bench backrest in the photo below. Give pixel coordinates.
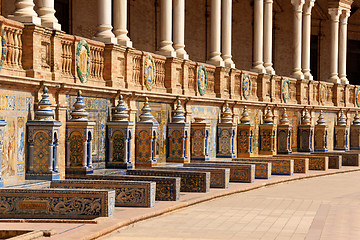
(167, 188)
(190, 181)
(56, 203)
(219, 177)
(238, 172)
(127, 193)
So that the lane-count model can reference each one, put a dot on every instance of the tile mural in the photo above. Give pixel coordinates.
(15, 108)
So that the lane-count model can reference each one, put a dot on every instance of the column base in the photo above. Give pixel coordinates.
(106, 40)
(344, 80)
(26, 19)
(229, 63)
(125, 43)
(258, 68)
(119, 165)
(217, 61)
(166, 53)
(52, 25)
(181, 53)
(269, 69)
(308, 76)
(297, 74)
(334, 79)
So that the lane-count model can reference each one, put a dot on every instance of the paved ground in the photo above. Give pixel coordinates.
(318, 208)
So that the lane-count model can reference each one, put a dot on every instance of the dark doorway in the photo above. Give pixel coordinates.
(353, 62)
(314, 56)
(63, 13)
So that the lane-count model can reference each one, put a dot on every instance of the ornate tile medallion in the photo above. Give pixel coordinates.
(246, 86)
(322, 93)
(3, 48)
(357, 97)
(83, 61)
(149, 72)
(286, 91)
(202, 79)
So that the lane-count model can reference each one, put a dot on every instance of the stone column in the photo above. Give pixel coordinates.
(166, 48)
(24, 12)
(84, 161)
(56, 157)
(226, 33)
(215, 34)
(46, 12)
(179, 29)
(51, 158)
(258, 64)
(120, 23)
(268, 35)
(298, 5)
(334, 50)
(306, 39)
(104, 33)
(343, 46)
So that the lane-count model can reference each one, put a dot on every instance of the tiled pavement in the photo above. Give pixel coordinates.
(318, 208)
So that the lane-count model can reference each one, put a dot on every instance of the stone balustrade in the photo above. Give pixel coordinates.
(51, 55)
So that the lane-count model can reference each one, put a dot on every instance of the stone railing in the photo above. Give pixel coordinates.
(45, 54)
(12, 33)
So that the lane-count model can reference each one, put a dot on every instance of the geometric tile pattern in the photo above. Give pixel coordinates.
(41, 152)
(56, 203)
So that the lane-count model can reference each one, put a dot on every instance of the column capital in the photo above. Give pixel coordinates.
(298, 5)
(344, 16)
(308, 5)
(334, 14)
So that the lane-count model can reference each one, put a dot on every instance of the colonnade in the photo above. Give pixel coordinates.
(172, 31)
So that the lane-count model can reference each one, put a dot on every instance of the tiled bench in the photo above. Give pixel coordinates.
(301, 163)
(350, 158)
(167, 188)
(278, 166)
(316, 162)
(56, 203)
(190, 181)
(238, 172)
(219, 177)
(127, 193)
(262, 169)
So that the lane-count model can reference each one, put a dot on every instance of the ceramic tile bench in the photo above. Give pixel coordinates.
(127, 193)
(278, 166)
(190, 181)
(219, 177)
(301, 163)
(350, 158)
(56, 203)
(316, 162)
(238, 172)
(167, 188)
(262, 169)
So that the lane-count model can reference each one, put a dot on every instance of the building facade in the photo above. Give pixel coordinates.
(206, 53)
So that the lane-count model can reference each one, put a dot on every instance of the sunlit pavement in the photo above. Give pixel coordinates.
(317, 208)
